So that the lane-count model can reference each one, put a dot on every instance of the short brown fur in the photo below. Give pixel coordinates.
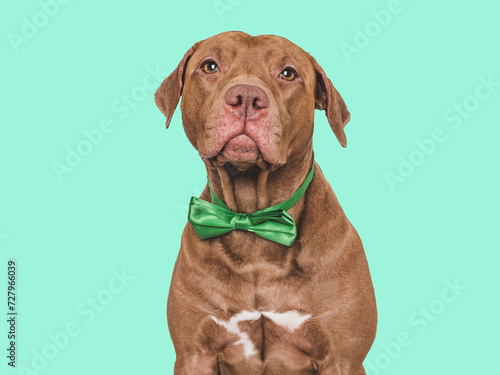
(324, 273)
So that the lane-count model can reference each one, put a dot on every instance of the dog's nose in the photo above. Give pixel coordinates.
(247, 100)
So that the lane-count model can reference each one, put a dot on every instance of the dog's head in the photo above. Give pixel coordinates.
(250, 100)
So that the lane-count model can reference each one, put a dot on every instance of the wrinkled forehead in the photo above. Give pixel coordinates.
(248, 51)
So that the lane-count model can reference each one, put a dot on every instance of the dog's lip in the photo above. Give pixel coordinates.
(240, 142)
(247, 150)
(241, 150)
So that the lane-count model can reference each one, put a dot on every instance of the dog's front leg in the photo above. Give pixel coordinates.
(199, 364)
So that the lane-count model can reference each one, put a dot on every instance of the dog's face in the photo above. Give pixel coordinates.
(250, 100)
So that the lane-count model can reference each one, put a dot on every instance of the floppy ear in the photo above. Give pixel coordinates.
(168, 94)
(328, 98)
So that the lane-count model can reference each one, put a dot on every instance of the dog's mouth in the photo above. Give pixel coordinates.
(239, 153)
(241, 148)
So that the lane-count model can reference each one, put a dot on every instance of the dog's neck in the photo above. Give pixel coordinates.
(256, 189)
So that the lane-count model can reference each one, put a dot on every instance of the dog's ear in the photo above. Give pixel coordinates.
(328, 98)
(168, 94)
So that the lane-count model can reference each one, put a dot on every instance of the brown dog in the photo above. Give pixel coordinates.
(239, 303)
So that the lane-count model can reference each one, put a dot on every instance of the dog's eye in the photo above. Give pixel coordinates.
(288, 74)
(210, 67)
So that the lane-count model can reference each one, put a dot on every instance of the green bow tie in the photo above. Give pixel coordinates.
(272, 223)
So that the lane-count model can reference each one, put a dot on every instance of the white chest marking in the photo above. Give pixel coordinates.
(290, 320)
(232, 327)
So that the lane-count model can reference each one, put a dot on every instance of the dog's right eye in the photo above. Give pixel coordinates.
(288, 74)
(210, 67)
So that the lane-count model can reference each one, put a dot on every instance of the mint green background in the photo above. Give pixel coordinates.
(124, 206)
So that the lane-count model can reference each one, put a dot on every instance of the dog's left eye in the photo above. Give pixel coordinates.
(288, 74)
(210, 67)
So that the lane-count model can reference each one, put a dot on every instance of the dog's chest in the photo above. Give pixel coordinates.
(255, 336)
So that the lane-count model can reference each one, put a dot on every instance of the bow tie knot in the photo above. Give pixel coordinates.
(241, 221)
